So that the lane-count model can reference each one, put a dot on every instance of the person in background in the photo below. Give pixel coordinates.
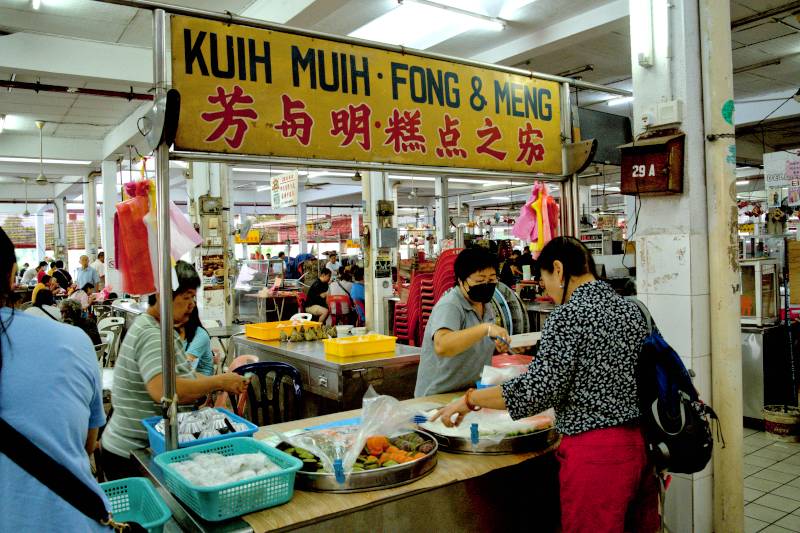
(315, 299)
(44, 284)
(86, 274)
(357, 292)
(84, 296)
(41, 272)
(99, 266)
(61, 276)
(342, 286)
(22, 270)
(333, 265)
(585, 370)
(44, 306)
(511, 272)
(526, 258)
(52, 268)
(62, 378)
(138, 378)
(279, 268)
(461, 335)
(31, 274)
(197, 345)
(72, 314)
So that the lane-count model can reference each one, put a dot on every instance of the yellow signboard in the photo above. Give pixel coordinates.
(251, 91)
(253, 237)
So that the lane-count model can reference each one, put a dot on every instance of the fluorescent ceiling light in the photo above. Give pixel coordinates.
(319, 173)
(621, 100)
(46, 161)
(745, 168)
(414, 178)
(490, 183)
(743, 182)
(36, 4)
(422, 24)
(258, 170)
(263, 188)
(2, 122)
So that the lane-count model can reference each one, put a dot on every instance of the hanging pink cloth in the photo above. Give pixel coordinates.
(538, 220)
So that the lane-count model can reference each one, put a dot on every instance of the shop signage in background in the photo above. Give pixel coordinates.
(782, 178)
(252, 91)
(608, 222)
(353, 244)
(284, 189)
(253, 237)
(747, 228)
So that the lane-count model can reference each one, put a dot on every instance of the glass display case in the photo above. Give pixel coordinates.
(252, 275)
(760, 295)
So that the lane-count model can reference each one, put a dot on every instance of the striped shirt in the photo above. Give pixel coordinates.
(138, 362)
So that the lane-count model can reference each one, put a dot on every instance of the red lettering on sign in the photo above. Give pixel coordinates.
(528, 150)
(352, 121)
(403, 132)
(296, 122)
(448, 139)
(230, 117)
(491, 134)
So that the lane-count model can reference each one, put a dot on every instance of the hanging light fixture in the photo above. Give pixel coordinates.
(26, 213)
(41, 179)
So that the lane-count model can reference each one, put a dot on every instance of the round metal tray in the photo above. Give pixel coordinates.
(530, 442)
(378, 479)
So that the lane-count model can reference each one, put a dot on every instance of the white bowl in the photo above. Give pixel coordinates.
(343, 331)
(359, 331)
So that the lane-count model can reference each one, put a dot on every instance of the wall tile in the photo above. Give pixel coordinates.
(703, 510)
(665, 262)
(701, 326)
(699, 263)
(673, 315)
(678, 507)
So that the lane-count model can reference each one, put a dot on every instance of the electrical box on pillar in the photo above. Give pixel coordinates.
(653, 165)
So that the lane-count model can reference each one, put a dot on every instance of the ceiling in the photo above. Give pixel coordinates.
(553, 36)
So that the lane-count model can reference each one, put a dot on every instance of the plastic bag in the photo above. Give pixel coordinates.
(183, 237)
(497, 376)
(338, 448)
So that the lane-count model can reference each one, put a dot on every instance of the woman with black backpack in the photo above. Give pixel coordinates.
(586, 370)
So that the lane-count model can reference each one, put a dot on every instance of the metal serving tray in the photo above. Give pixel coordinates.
(530, 442)
(378, 479)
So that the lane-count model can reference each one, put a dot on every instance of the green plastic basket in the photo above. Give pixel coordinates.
(134, 499)
(232, 499)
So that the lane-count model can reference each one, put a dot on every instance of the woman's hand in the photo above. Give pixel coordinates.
(233, 383)
(503, 345)
(446, 413)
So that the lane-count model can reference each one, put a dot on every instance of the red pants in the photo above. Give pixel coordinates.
(607, 484)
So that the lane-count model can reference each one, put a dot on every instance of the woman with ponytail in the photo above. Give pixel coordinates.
(585, 370)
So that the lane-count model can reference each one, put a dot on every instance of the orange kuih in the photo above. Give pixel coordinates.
(377, 445)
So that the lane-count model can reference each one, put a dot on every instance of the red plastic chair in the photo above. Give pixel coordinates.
(301, 301)
(337, 305)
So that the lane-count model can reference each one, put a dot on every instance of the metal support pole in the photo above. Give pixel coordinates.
(169, 400)
(726, 354)
(573, 217)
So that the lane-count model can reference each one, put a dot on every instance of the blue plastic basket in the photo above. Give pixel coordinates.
(237, 498)
(158, 445)
(134, 499)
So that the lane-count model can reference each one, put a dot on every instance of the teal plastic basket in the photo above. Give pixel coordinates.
(232, 499)
(135, 499)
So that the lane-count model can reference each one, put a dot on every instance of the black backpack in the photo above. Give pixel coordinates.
(675, 420)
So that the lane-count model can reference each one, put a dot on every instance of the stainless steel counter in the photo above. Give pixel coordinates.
(335, 384)
(133, 308)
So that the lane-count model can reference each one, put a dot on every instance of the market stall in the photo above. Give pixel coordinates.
(477, 489)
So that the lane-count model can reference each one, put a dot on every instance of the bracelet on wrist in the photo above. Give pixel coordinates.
(468, 401)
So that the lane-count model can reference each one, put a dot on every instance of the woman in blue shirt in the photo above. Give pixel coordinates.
(63, 378)
(357, 292)
(197, 345)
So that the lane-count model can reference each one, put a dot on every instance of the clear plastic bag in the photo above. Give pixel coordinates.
(338, 448)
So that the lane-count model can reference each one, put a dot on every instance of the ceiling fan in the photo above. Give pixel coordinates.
(41, 179)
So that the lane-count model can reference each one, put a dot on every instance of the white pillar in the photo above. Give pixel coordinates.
(41, 243)
(441, 211)
(302, 229)
(355, 224)
(111, 196)
(60, 226)
(672, 231)
(375, 289)
(90, 217)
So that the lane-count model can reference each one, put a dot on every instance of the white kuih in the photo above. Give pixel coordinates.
(211, 469)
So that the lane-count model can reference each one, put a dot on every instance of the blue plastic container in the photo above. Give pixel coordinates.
(134, 499)
(232, 499)
(158, 445)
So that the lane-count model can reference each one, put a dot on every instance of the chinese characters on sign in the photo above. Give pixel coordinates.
(251, 91)
(284, 189)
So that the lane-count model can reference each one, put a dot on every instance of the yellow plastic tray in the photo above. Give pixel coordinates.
(359, 345)
(271, 331)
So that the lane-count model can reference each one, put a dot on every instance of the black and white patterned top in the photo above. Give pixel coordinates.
(585, 365)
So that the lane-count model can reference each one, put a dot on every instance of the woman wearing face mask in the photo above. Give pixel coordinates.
(584, 369)
(461, 335)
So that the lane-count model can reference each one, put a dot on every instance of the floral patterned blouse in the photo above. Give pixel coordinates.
(585, 365)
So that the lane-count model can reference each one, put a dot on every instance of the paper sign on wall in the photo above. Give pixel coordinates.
(284, 189)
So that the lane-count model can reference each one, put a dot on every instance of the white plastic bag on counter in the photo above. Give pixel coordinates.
(497, 376)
